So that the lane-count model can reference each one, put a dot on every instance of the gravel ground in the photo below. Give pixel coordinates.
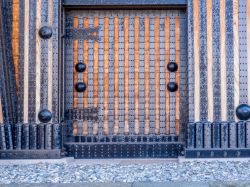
(74, 172)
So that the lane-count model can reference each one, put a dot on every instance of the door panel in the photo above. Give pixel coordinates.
(129, 89)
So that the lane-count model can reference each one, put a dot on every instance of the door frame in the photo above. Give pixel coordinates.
(174, 148)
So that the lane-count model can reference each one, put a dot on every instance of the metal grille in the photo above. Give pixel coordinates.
(126, 53)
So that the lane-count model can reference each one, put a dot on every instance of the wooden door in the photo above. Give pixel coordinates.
(125, 73)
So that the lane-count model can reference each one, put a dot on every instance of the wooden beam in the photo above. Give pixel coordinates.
(85, 77)
(167, 60)
(116, 75)
(26, 63)
(95, 76)
(50, 56)
(75, 61)
(136, 69)
(157, 74)
(236, 55)
(196, 61)
(126, 73)
(210, 100)
(38, 59)
(223, 70)
(106, 75)
(86, 61)
(146, 76)
(15, 37)
(124, 2)
(177, 75)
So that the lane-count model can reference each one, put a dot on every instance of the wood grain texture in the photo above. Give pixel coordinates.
(248, 49)
(223, 74)
(116, 75)
(210, 60)
(157, 74)
(96, 65)
(75, 61)
(177, 75)
(106, 75)
(85, 77)
(126, 74)
(15, 38)
(196, 61)
(95, 76)
(236, 55)
(146, 76)
(136, 69)
(26, 63)
(38, 59)
(50, 56)
(167, 60)
(75, 127)
(84, 125)
(86, 61)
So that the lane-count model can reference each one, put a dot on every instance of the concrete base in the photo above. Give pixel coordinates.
(30, 154)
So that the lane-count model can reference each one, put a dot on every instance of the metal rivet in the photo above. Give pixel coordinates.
(172, 86)
(45, 116)
(45, 32)
(172, 67)
(80, 87)
(80, 67)
(243, 112)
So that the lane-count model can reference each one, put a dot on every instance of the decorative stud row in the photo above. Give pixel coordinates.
(172, 86)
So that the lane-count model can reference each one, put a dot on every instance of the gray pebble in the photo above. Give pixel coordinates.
(161, 172)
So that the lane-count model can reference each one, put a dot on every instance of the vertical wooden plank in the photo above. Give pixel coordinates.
(50, 56)
(85, 77)
(126, 73)
(236, 54)
(26, 63)
(216, 135)
(210, 61)
(157, 75)
(207, 135)
(85, 59)
(75, 61)
(248, 49)
(106, 75)
(199, 135)
(15, 37)
(233, 135)
(136, 69)
(223, 75)
(196, 61)
(116, 75)
(177, 75)
(95, 77)
(38, 59)
(167, 60)
(56, 25)
(146, 76)
(224, 135)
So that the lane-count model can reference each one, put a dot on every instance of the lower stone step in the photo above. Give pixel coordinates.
(30, 154)
(217, 153)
